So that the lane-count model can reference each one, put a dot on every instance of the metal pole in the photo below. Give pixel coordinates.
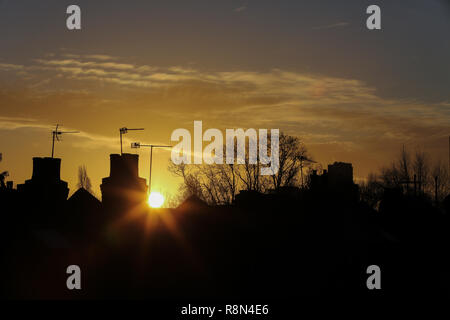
(53, 143)
(151, 146)
(120, 141)
(436, 190)
(150, 174)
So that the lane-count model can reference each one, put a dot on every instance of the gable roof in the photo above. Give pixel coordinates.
(84, 197)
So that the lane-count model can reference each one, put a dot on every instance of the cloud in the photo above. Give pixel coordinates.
(88, 64)
(240, 9)
(322, 109)
(12, 123)
(332, 26)
(9, 67)
(102, 57)
(89, 140)
(67, 55)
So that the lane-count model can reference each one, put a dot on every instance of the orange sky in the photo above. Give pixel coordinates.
(351, 95)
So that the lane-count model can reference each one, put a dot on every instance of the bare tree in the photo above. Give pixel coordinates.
(398, 174)
(371, 190)
(428, 179)
(440, 186)
(249, 174)
(219, 183)
(191, 184)
(171, 201)
(83, 179)
(421, 170)
(292, 152)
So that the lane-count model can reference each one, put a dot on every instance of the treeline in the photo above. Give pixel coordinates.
(218, 184)
(411, 173)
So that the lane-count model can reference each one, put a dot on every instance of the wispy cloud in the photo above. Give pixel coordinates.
(102, 57)
(88, 64)
(89, 140)
(323, 109)
(331, 26)
(241, 8)
(10, 66)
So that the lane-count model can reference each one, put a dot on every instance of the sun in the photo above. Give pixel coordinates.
(155, 200)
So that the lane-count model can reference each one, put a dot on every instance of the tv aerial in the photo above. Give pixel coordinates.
(56, 135)
(122, 132)
(137, 145)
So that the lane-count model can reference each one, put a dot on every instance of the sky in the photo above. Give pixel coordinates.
(309, 68)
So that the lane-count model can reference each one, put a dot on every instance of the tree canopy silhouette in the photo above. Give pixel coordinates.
(219, 184)
(83, 179)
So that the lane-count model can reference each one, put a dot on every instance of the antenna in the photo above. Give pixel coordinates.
(56, 135)
(123, 131)
(306, 159)
(137, 145)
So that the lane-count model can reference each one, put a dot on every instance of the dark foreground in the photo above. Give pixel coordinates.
(264, 248)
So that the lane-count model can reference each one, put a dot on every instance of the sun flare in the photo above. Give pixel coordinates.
(155, 200)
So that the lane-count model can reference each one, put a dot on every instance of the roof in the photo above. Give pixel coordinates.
(82, 196)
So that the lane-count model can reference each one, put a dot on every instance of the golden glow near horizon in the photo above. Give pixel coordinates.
(359, 101)
(155, 200)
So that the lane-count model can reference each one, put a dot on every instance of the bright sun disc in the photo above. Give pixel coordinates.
(155, 200)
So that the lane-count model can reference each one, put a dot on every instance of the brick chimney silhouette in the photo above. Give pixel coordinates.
(45, 193)
(45, 184)
(123, 188)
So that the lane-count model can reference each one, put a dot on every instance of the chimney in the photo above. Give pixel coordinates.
(123, 176)
(46, 169)
(124, 166)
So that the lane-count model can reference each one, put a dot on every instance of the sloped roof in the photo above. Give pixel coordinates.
(82, 196)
